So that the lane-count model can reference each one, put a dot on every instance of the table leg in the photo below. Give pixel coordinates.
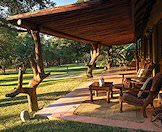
(96, 93)
(108, 96)
(123, 79)
(91, 96)
(111, 93)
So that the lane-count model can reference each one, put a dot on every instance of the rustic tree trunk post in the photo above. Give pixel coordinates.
(32, 101)
(38, 70)
(36, 63)
(38, 51)
(109, 58)
(137, 57)
(89, 71)
(94, 55)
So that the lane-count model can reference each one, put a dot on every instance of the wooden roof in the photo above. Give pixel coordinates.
(105, 21)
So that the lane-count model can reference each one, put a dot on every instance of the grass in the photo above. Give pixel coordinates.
(48, 91)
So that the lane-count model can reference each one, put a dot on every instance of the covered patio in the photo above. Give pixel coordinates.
(99, 23)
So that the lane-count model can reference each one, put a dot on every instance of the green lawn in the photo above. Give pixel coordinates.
(51, 89)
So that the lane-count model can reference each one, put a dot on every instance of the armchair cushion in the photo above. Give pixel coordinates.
(139, 79)
(140, 72)
(146, 86)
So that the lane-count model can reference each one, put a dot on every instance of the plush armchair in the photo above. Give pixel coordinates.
(143, 96)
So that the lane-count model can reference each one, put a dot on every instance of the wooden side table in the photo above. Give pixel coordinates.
(107, 87)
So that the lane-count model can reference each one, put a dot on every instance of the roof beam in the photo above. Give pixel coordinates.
(64, 35)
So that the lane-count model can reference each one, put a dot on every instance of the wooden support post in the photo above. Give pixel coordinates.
(32, 101)
(137, 57)
(144, 48)
(109, 58)
(94, 55)
(36, 63)
(33, 65)
(38, 51)
(155, 49)
(89, 71)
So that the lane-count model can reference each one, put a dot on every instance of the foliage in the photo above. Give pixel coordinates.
(24, 48)
(63, 51)
(120, 55)
(12, 7)
(7, 47)
(79, 1)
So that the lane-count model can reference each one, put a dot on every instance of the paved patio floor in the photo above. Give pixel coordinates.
(64, 108)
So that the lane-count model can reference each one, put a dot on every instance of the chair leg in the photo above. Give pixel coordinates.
(111, 93)
(144, 112)
(121, 106)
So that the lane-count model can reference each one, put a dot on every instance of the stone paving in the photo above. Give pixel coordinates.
(64, 108)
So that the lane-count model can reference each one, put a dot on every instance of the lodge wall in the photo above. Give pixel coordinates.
(154, 30)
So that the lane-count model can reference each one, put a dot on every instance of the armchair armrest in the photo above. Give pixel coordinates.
(136, 82)
(137, 90)
(123, 74)
(121, 88)
(126, 74)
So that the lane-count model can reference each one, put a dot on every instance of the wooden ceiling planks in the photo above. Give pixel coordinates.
(142, 13)
(95, 13)
(88, 21)
(104, 21)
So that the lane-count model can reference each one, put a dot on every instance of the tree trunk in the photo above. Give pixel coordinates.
(32, 101)
(89, 71)
(36, 63)
(109, 58)
(4, 69)
(24, 67)
(94, 55)
(95, 66)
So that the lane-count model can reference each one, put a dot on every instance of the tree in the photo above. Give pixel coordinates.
(24, 48)
(63, 51)
(7, 48)
(79, 1)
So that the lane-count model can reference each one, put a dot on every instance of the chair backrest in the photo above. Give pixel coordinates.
(146, 72)
(157, 82)
(155, 87)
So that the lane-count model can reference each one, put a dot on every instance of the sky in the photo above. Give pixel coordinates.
(64, 2)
